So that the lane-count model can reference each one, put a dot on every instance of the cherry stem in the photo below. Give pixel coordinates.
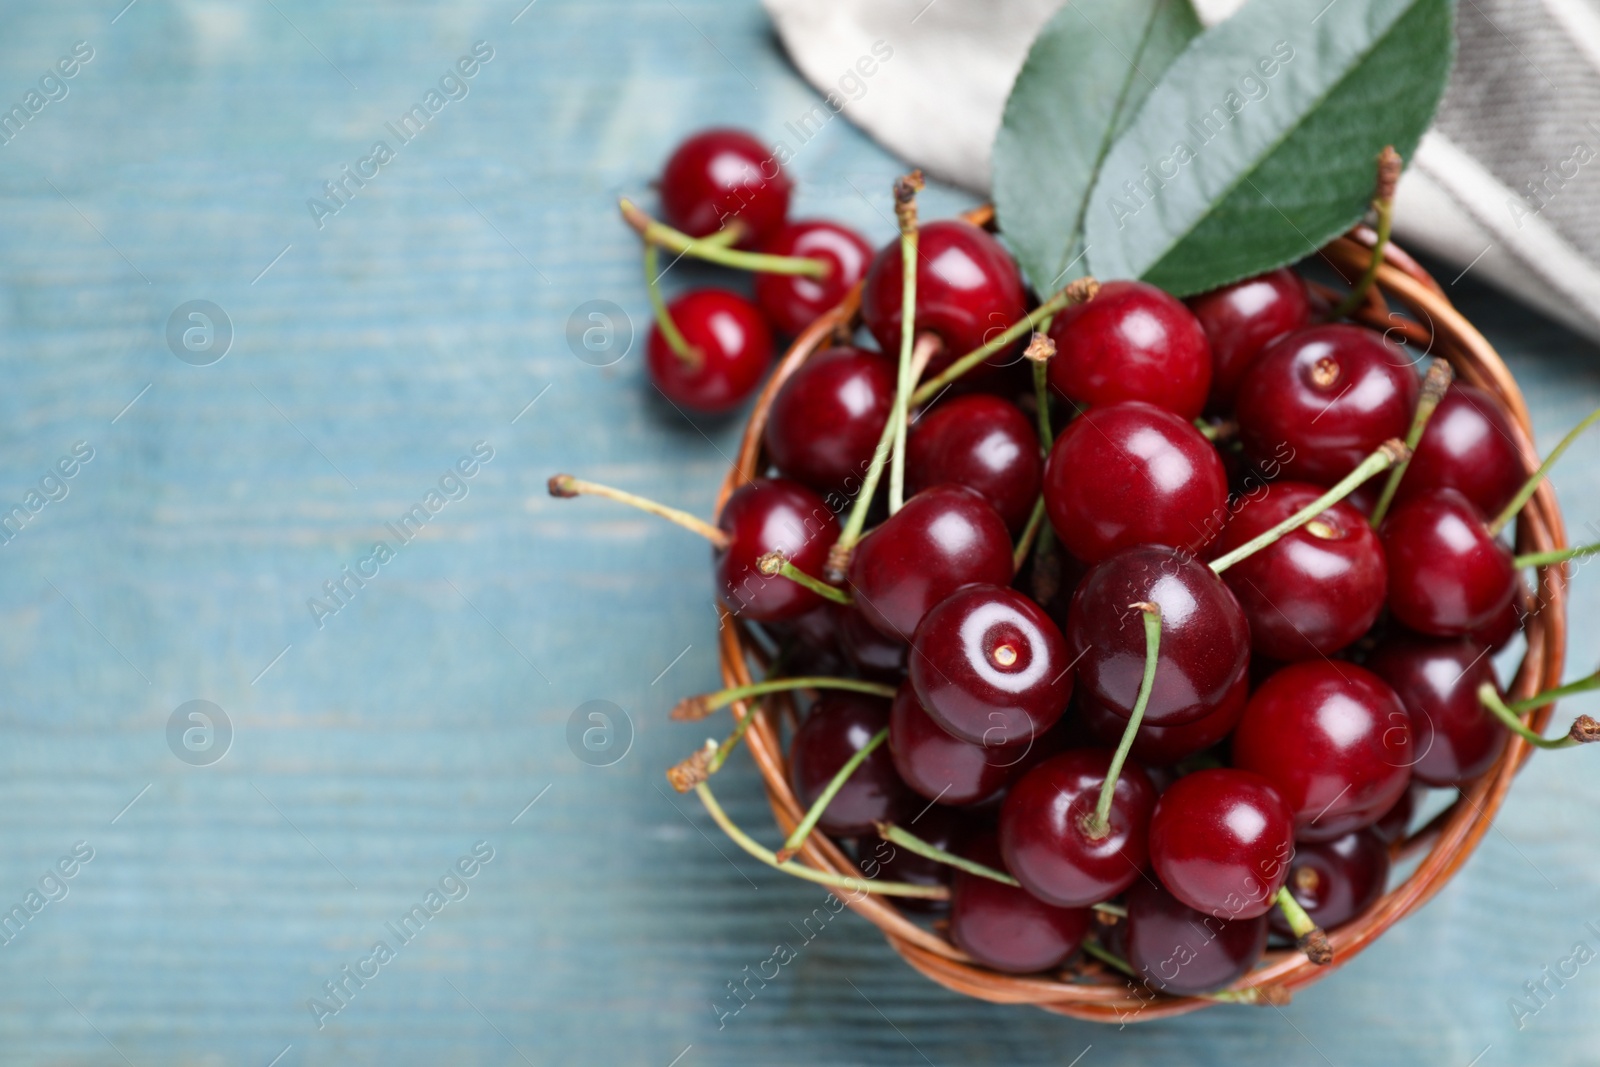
(1434, 385)
(565, 486)
(1080, 291)
(1029, 532)
(1309, 936)
(776, 563)
(792, 843)
(1559, 555)
(1217, 431)
(1040, 351)
(905, 213)
(714, 249)
(1532, 484)
(912, 843)
(1550, 696)
(698, 707)
(1584, 729)
(1098, 825)
(860, 885)
(1387, 455)
(1383, 207)
(669, 329)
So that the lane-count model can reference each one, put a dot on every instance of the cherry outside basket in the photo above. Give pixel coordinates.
(1086, 989)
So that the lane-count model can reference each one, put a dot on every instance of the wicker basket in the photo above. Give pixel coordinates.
(1088, 991)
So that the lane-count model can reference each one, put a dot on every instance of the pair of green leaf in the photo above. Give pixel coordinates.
(1134, 145)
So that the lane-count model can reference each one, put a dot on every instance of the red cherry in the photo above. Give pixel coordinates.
(1337, 880)
(1394, 823)
(732, 351)
(1185, 952)
(1498, 632)
(982, 442)
(1335, 741)
(1456, 737)
(773, 515)
(1133, 474)
(1468, 445)
(1205, 644)
(968, 290)
(1220, 840)
(1162, 746)
(1241, 319)
(719, 175)
(1318, 401)
(1448, 576)
(1046, 842)
(1314, 590)
(1132, 342)
(824, 424)
(942, 767)
(837, 727)
(943, 538)
(1006, 929)
(792, 302)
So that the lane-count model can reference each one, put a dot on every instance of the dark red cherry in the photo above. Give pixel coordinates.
(1132, 342)
(825, 422)
(1045, 839)
(1335, 741)
(984, 443)
(1220, 841)
(942, 767)
(1314, 590)
(943, 538)
(1320, 400)
(1448, 576)
(991, 667)
(1337, 880)
(1185, 952)
(792, 302)
(732, 349)
(968, 290)
(1468, 445)
(1205, 644)
(1394, 823)
(837, 727)
(773, 515)
(1456, 739)
(1241, 319)
(1498, 632)
(1006, 929)
(1133, 474)
(1162, 746)
(720, 175)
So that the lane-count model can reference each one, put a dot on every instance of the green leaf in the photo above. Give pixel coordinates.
(1259, 144)
(1084, 78)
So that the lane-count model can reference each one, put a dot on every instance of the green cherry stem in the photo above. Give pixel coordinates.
(669, 329)
(1584, 729)
(1098, 824)
(1308, 935)
(565, 486)
(1531, 486)
(1434, 385)
(792, 843)
(1040, 351)
(698, 707)
(1029, 533)
(905, 213)
(1559, 555)
(1383, 207)
(912, 843)
(1550, 696)
(714, 249)
(1387, 455)
(776, 563)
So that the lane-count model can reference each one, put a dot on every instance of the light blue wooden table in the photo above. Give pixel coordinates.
(371, 753)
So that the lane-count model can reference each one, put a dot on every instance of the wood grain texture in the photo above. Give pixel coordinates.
(426, 715)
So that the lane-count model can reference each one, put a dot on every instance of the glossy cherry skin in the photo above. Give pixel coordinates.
(1241, 319)
(1333, 739)
(1162, 746)
(942, 767)
(1133, 474)
(1447, 575)
(1043, 836)
(1185, 952)
(1320, 400)
(1220, 841)
(1205, 643)
(1337, 880)
(1006, 929)
(968, 290)
(1314, 590)
(1437, 681)
(733, 346)
(836, 728)
(1132, 342)
(721, 175)
(792, 302)
(991, 667)
(943, 538)
(1498, 632)
(825, 422)
(773, 515)
(982, 442)
(1468, 445)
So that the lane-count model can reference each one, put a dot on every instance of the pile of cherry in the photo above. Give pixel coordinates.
(1172, 610)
